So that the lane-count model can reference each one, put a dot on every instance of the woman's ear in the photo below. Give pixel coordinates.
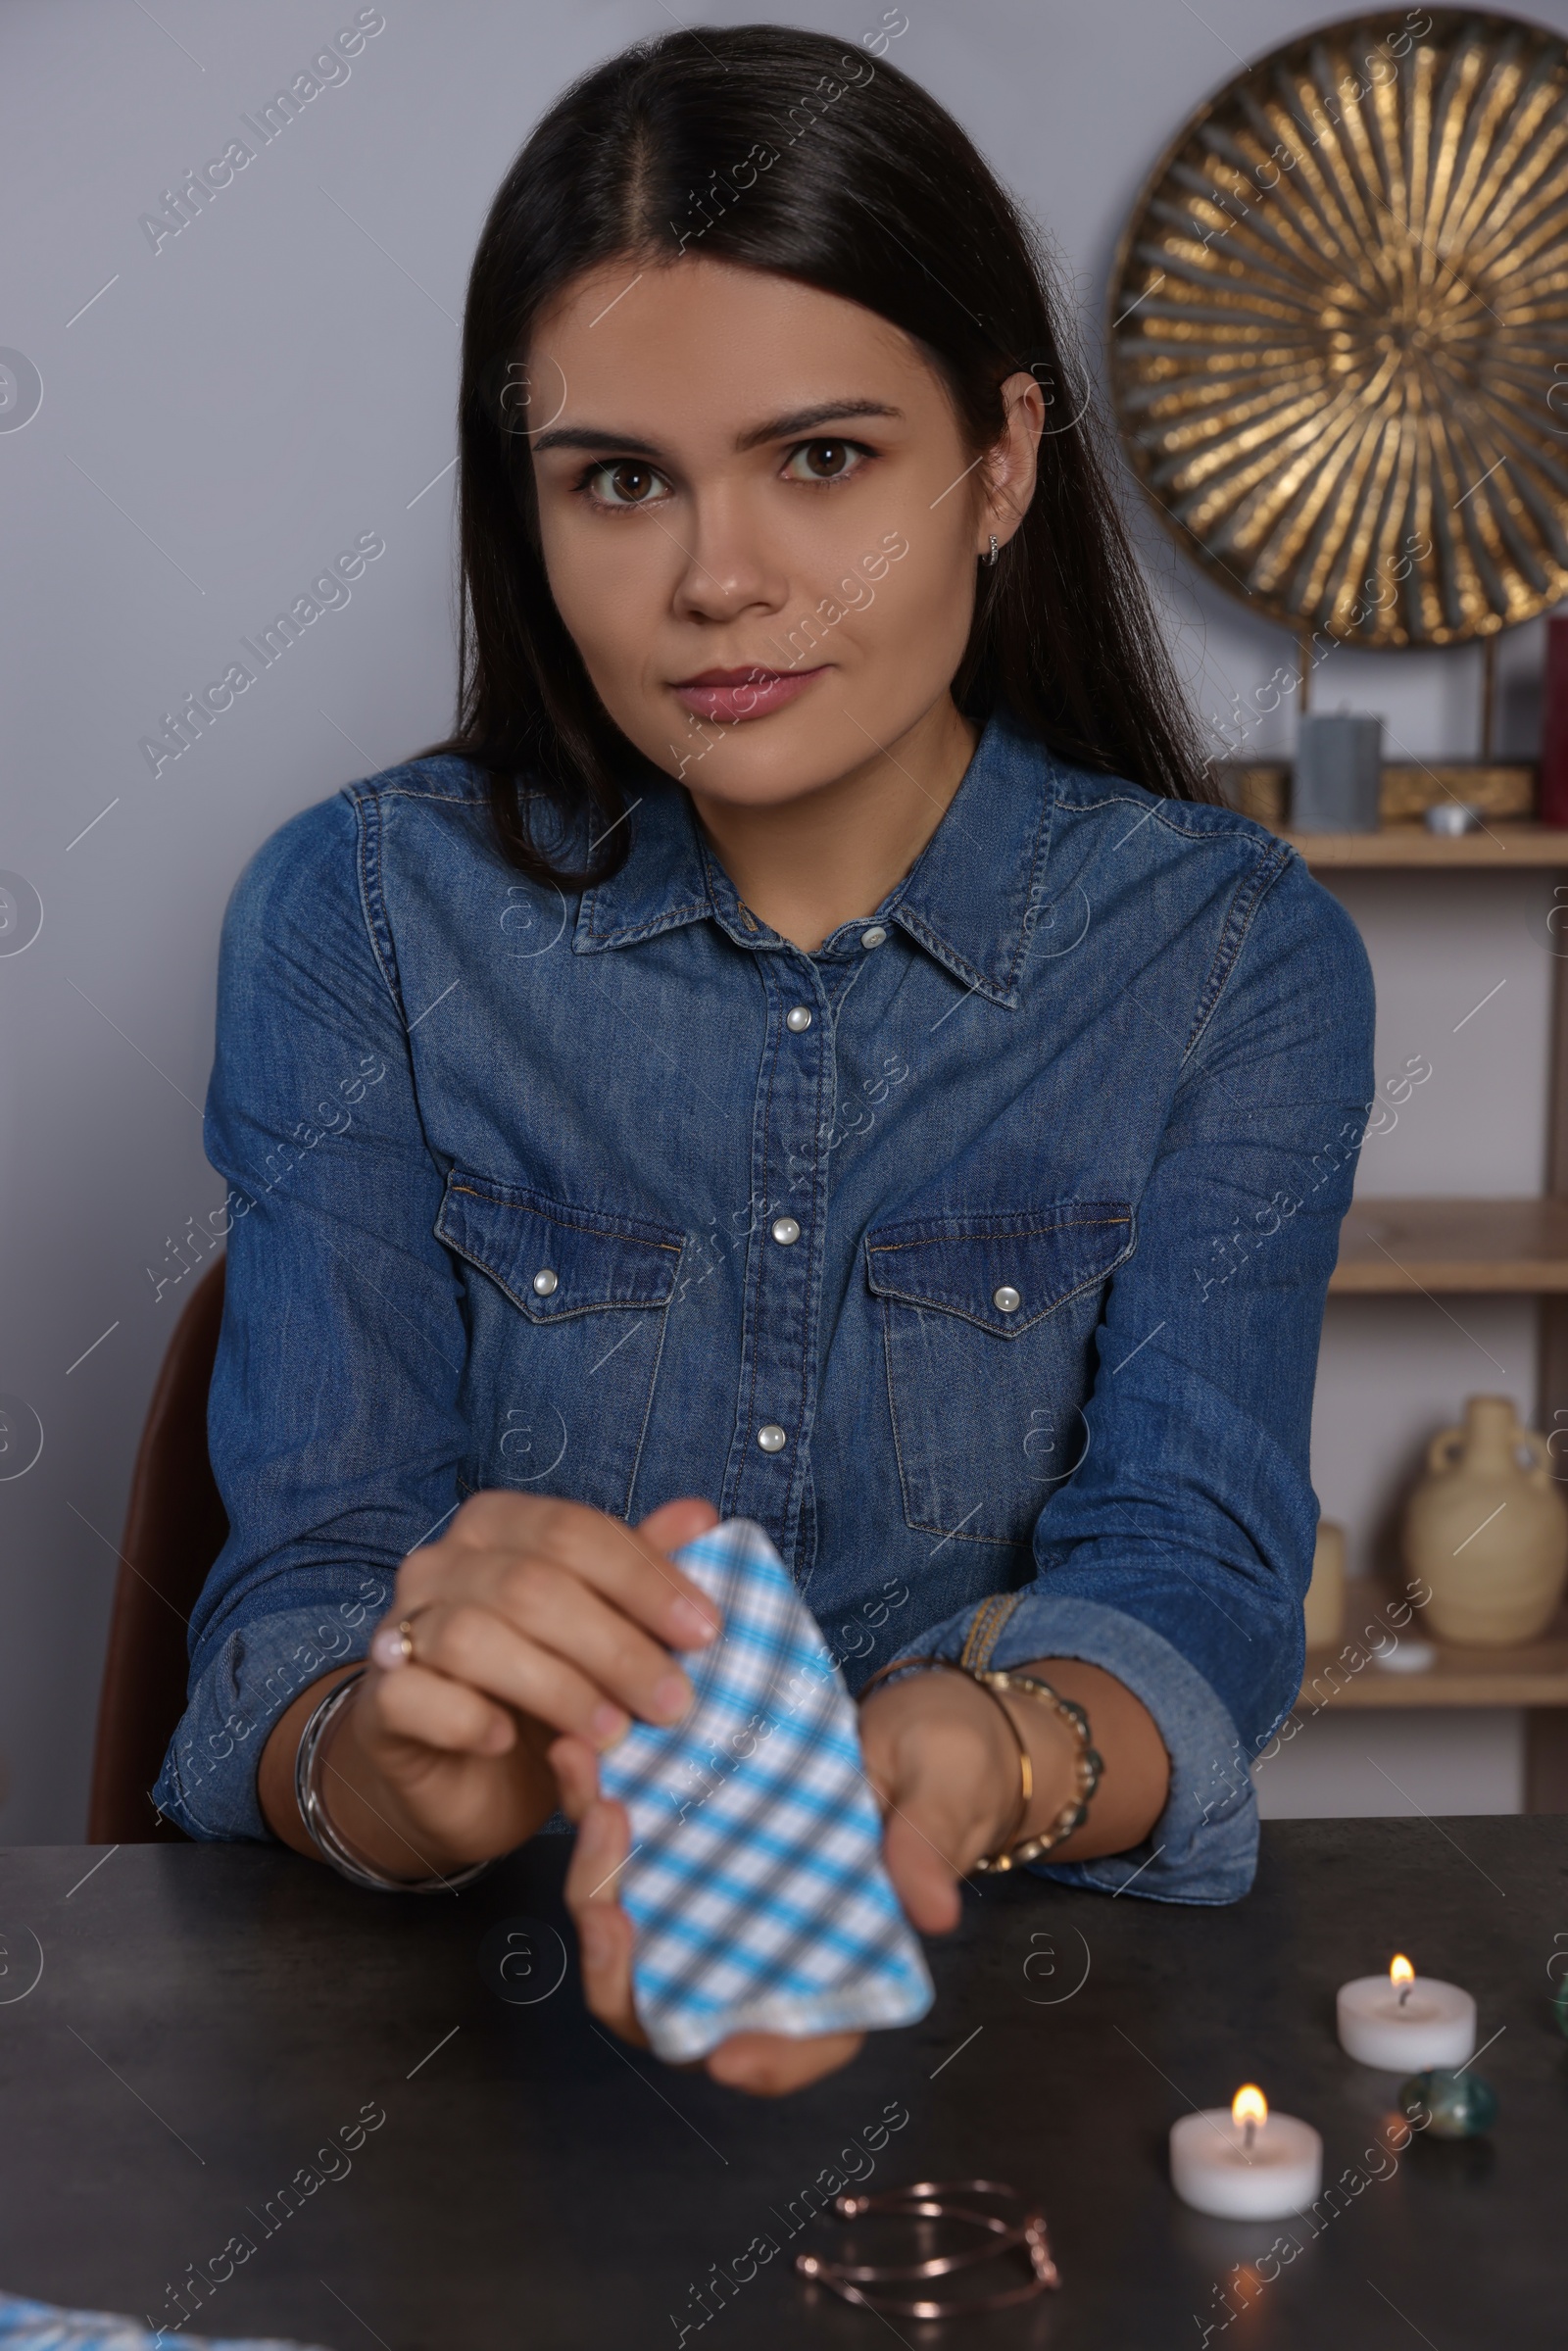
(1010, 465)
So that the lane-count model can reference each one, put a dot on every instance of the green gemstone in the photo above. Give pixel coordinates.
(1461, 2105)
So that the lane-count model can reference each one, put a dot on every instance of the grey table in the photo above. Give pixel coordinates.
(401, 2108)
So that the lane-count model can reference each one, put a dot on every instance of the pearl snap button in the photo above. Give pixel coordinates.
(786, 1230)
(798, 1018)
(1005, 1300)
(545, 1282)
(874, 936)
(770, 1437)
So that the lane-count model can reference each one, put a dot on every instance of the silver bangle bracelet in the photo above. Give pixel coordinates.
(317, 1823)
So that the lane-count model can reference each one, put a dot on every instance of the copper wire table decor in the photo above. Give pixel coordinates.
(938, 2200)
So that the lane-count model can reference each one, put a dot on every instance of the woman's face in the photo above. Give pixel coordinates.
(759, 522)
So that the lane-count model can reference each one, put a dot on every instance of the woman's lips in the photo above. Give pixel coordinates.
(731, 695)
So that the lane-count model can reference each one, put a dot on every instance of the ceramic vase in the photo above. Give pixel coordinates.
(1487, 1529)
(1324, 1608)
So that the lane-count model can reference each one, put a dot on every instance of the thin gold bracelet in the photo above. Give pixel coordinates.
(1087, 1762)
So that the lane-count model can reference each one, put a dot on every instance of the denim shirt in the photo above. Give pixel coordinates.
(982, 1252)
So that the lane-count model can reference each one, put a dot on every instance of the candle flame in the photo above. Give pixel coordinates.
(1400, 1970)
(1248, 2105)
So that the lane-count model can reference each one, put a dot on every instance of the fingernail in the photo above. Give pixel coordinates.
(692, 1629)
(608, 1724)
(672, 1696)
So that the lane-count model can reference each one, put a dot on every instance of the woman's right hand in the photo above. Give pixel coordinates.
(530, 1618)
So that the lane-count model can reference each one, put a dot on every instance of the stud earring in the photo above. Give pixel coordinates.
(994, 551)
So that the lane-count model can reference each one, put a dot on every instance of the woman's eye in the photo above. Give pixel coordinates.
(624, 481)
(823, 460)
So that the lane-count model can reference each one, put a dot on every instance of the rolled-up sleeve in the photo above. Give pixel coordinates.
(1178, 1555)
(332, 1420)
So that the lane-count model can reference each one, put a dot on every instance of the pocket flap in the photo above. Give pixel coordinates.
(554, 1261)
(1037, 1257)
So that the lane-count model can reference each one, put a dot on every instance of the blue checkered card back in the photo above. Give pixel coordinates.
(756, 1879)
(26, 2325)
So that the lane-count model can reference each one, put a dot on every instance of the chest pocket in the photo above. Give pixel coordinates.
(988, 1323)
(565, 1333)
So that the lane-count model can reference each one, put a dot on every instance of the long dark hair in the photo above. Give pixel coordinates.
(772, 149)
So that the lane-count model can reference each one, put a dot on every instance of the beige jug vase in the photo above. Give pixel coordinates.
(1324, 1606)
(1487, 1529)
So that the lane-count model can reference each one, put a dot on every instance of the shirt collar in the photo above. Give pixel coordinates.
(965, 901)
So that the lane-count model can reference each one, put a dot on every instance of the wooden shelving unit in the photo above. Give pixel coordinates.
(1536, 1674)
(1503, 845)
(1435, 1248)
(1396, 1248)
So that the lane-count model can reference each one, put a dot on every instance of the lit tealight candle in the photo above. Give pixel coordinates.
(1403, 2021)
(1247, 2165)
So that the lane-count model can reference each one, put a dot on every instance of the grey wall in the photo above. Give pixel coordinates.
(219, 417)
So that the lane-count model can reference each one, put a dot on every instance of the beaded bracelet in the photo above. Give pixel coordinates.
(1087, 1762)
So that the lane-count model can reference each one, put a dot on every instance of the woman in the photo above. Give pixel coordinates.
(810, 1047)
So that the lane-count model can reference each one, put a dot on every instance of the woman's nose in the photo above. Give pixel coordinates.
(729, 568)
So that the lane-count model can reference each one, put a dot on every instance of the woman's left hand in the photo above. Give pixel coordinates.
(946, 1773)
(944, 1766)
(768, 2064)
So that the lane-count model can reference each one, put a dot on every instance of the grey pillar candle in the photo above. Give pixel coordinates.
(1336, 778)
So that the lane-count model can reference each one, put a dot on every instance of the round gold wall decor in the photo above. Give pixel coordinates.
(1338, 329)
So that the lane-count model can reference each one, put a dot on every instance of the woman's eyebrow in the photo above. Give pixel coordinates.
(773, 428)
(806, 420)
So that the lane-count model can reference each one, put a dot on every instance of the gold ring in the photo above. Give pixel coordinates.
(393, 1645)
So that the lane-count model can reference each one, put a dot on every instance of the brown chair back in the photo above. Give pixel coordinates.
(176, 1526)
